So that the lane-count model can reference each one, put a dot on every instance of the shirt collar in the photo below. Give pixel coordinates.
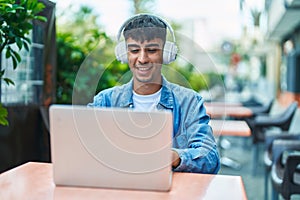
(166, 100)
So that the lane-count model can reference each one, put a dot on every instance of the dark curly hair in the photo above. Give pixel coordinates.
(145, 27)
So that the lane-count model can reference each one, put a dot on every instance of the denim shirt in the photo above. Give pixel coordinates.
(193, 139)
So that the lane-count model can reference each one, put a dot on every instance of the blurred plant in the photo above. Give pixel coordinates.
(186, 76)
(142, 6)
(76, 39)
(15, 24)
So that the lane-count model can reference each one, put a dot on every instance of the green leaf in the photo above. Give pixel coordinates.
(1, 38)
(41, 18)
(16, 55)
(27, 40)
(26, 46)
(15, 63)
(6, 4)
(2, 72)
(8, 53)
(3, 116)
(3, 121)
(17, 7)
(8, 81)
(19, 43)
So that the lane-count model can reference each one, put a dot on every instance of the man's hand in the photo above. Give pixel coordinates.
(175, 159)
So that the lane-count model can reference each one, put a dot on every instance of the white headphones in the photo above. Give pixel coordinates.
(170, 48)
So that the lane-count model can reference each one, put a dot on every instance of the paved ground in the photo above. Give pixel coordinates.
(241, 151)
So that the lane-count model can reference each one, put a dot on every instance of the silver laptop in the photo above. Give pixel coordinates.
(111, 147)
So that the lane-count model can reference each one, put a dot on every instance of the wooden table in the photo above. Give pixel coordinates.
(35, 181)
(230, 128)
(228, 111)
(222, 103)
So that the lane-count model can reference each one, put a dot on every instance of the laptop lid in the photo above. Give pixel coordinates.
(111, 147)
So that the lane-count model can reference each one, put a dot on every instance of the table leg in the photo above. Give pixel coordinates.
(226, 161)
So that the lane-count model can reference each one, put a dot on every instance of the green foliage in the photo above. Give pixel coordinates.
(186, 76)
(69, 58)
(199, 81)
(215, 79)
(142, 6)
(3, 116)
(82, 45)
(15, 24)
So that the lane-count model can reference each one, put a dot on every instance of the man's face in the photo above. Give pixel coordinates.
(145, 59)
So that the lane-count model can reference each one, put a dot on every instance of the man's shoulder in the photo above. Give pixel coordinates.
(115, 89)
(181, 90)
(184, 94)
(112, 96)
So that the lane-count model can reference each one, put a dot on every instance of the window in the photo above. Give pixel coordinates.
(28, 76)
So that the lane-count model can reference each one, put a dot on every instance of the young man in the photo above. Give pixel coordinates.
(194, 148)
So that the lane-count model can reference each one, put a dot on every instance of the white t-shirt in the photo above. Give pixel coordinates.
(146, 102)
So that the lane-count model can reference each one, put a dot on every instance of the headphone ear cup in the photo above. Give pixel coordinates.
(170, 52)
(121, 52)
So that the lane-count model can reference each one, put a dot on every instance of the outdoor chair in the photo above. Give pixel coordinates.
(252, 102)
(285, 172)
(270, 138)
(257, 109)
(282, 120)
(261, 123)
(263, 109)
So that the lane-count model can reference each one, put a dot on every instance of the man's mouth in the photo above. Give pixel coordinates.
(144, 68)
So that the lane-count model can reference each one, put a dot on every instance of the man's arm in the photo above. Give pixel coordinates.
(195, 143)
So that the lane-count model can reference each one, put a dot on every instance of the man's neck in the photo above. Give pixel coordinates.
(146, 88)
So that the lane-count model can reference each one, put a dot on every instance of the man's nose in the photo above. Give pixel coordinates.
(143, 57)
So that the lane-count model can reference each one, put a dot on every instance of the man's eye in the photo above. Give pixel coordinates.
(152, 50)
(134, 50)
